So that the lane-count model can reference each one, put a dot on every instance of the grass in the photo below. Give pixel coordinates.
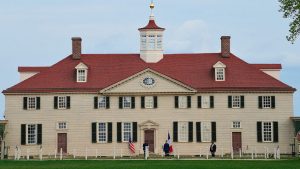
(152, 164)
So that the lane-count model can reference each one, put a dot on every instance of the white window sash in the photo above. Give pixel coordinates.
(125, 102)
(81, 75)
(29, 105)
(100, 103)
(236, 101)
(27, 134)
(183, 134)
(271, 132)
(123, 131)
(182, 101)
(98, 132)
(205, 102)
(149, 102)
(62, 102)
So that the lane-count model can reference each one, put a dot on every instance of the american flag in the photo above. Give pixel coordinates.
(131, 146)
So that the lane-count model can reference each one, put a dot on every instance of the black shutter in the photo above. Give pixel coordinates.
(273, 102)
(176, 101)
(68, 102)
(189, 100)
(175, 131)
(198, 131)
(107, 102)
(132, 102)
(242, 101)
(212, 104)
(275, 132)
(259, 132)
(134, 131)
(190, 131)
(55, 102)
(109, 132)
(155, 101)
(260, 102)
(199, 101)
(23, 134)
(38, 103)
(121, 102)
(94, 132)
(143, 102)
(96, 102)
(213, 132)
(25, 103)
(119, 132)
(229, 101)
(39, 134)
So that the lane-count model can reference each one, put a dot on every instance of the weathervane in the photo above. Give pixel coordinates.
(152, 7)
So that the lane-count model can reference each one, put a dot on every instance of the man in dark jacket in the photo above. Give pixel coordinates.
(167, 148)
(213, 149)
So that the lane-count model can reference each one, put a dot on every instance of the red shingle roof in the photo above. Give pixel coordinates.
(31, 69)
(151, 25)
(194, 70)
(267, 66)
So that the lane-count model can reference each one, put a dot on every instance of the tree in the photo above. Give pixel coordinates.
(291, 9)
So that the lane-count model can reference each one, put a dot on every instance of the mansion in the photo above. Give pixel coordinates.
(101, 101)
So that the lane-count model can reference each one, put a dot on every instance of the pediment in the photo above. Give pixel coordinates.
(81, 66)
(219, 64)
(148, 81)
(149, 123)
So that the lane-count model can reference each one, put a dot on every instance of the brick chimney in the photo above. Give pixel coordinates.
(76, 47)
(225, 46)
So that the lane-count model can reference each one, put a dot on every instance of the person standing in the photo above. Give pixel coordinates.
(145, 146)
(167, 148)
(213, 148)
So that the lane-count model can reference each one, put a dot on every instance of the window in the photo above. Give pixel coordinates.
(206, 131)
(220, 74)
(127, 102)
(182, 102)
(183, 131)
(31, 134)
(81, 75)
(205, 102)
(62, 125)
(31, 102)
(127, 131)
(102, 102)
(159, 41)
(62, 102)
(236, 124)
(266, 102)
(149, 102)
(267, 131)
(102, 132)
(152, 42)
(236, 100)
(143, 41)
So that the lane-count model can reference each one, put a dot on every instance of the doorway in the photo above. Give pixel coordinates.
(149, 138)
(236, 141)
(62, 142)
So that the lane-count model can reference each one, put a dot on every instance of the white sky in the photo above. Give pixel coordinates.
(38, 33)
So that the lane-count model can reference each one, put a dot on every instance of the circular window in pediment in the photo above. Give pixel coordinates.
(148, 82)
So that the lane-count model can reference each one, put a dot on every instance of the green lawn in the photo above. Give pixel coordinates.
(152, 164)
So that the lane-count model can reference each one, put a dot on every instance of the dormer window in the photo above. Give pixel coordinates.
(219, 71)
(81, 73)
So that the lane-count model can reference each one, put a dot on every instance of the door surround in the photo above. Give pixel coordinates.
(149, 125)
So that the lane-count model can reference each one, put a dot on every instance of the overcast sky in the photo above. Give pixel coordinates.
(38, 33)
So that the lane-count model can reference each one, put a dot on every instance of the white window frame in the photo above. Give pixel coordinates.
(206, 131)
(220, 74)
(266, 102)
(151, 42)
(102, 105)
(236, 125)
(123, 131)
(143, 42)
(62, 125)
(159, 44)
(205, 102)
(81, 75)
(149, 102)
(183, 131)
(236, 101)
(269, 133)
(182, 102)
(128, 102)
(62, 102)
(34, 134)
(31, 103)
(98, 132)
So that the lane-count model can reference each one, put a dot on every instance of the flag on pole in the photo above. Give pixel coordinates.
(169, 142)
(131, 146)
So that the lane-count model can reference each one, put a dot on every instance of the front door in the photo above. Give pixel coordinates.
(236, 141)
(62, 142)
(149, 138)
